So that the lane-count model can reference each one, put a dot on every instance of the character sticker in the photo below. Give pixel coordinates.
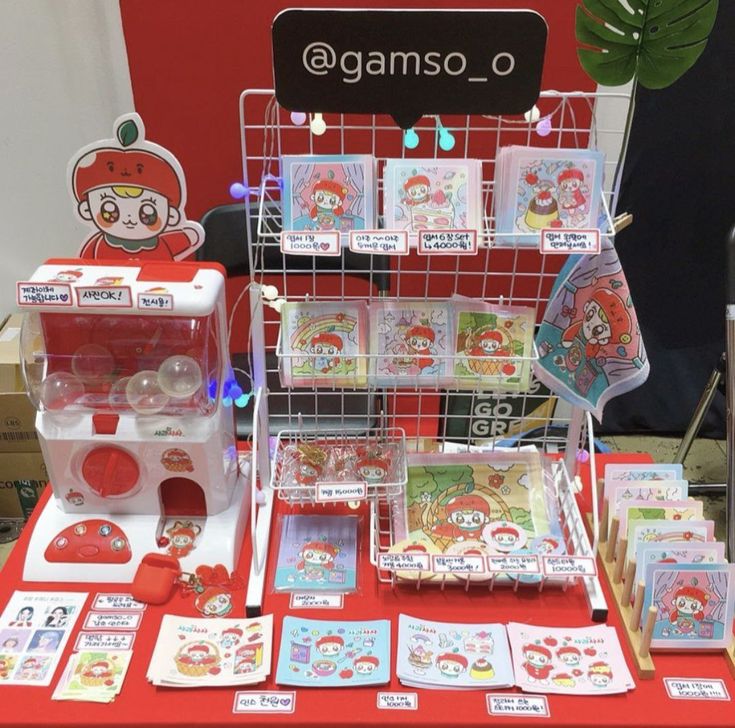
(181, 538)
(177, 460)
(131, 193)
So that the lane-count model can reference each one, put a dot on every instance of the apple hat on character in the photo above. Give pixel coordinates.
(131, 193)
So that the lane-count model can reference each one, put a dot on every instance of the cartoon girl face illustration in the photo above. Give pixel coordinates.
(372, 470)
(688, 609)
(230, 637)
(451, 665)
(571, 196)
(547, 546)
(10, 644)
(98, 669)
(326, 348)
(214, 602)
(506, 538)
(600, 674)
(489, 342)
(317, 559)
(328, 197)
(198, 653)
(419, 339)
(67, 276)
(307, 473)
(366, 665)
(75, 498)
(569, 655)
(183, 536)
(466, 517)
(330, 645)
(537, 662)
(417, 189)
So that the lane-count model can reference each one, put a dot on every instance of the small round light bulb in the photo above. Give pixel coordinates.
(410, 139)
(533, 114)
(238, 191)
(446, 140)
(298, 118)
(543, 128)
(317, 125)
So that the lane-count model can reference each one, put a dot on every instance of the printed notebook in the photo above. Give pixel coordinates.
(333, 654)
(448, 655)
(317, 553)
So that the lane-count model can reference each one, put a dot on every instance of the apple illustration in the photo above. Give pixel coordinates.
(215, 670)
(346, 674)
(550, 642)
(590, 651)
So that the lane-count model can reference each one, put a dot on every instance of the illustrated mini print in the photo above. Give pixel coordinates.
(410, 342)
(452, 655)
(493, 345)
(131, 193)
(317, 553)
(333, 654)
(579, 661)
(589, 343)
(328, 193)
(429, 194)
(324, 343)
(694, 604)
(93, 676)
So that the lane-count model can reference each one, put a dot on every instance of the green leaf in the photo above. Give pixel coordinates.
(127, 133)
(656, 40)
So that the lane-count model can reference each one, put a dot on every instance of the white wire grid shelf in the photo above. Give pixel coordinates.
(443, 413)
(345, 448)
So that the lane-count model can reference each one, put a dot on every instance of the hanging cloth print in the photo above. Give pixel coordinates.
(589, 343)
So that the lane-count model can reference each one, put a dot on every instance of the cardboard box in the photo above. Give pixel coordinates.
(23, 477)
(17, 414)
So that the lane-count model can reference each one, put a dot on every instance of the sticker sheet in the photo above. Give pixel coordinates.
(431, 194)
(34, 629)
(496, 503)
(93, 677)
(664, 510)
(317, 553)
(326, 193)
(410, 342)
(316, 653)
(645, 531)
(651, 492)
(677, 552)
(589, 342)
(541, 188)
(324, 344)
(572, 661)
(203, 652)
(448, 655)
(695, 605)
(493, 345)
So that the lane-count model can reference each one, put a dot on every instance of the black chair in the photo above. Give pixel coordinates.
(226, 243)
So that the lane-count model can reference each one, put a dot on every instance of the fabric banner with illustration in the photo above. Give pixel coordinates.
(589, 342)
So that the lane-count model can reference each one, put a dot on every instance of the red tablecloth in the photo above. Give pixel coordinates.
(140, 704)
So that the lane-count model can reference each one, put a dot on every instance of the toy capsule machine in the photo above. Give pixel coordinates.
(126, 364)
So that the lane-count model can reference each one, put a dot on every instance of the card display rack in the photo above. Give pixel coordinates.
(496, 274)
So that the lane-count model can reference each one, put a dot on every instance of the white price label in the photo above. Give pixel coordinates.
(685, 688)
(558, 241)
(521, 706)
(117, 602)
(404, 562)
(340, 492)
(113, 620)
(448, 242)
(398, 701)
(379, 242)
(316, 601)
(43, 294)
(104, 297)
(156, 301)
(513, 564)
(569, 566)
(298, 243)
(457, 564)
(267, 701)
(102, 641)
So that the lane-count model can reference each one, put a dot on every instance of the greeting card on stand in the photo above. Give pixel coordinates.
(572, 661)
(410, 343)
(93, 677)
(34, 629)
(643, 531)
(661, 510)
(493, 345)
(317, 553)
(617, 472)
(539, 188)
(328, 193)
(432, 194)
(652, 492)
(324, 344)
(695, 605)
(316, 653)
(207, 652)
(448, 655)
(589, 342)
(677, 552)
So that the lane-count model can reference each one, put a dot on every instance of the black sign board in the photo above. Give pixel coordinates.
(408, 63)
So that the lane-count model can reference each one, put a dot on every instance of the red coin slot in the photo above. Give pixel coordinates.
(88, 551)
(110, 471)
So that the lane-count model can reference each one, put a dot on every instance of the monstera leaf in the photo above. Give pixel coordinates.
(655, 40)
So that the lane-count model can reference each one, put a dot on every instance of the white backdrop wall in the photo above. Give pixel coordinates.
(64, 80)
